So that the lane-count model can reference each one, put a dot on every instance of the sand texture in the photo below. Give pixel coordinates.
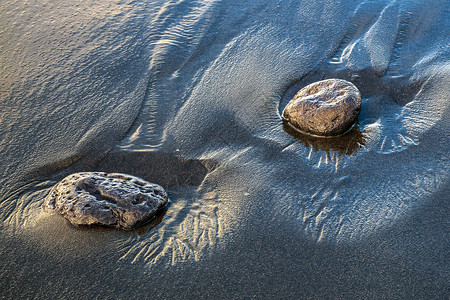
(189, 95)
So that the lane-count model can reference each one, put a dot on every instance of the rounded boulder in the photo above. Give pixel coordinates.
(324, 108)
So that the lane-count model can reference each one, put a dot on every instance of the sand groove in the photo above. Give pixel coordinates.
(404, 20)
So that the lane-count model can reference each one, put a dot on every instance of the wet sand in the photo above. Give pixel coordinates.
(189, 95)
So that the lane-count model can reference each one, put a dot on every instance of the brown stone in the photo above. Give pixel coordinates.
(105, 199)
(324, 108)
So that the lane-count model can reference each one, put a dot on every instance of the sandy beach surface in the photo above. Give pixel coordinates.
(189, 95)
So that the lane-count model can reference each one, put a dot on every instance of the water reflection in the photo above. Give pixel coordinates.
(346, 144)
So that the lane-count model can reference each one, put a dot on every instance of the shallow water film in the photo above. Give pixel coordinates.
(189, 95)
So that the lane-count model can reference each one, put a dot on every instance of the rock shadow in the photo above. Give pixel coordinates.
(164, 169)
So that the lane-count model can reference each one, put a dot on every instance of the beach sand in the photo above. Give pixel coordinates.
(189, 95)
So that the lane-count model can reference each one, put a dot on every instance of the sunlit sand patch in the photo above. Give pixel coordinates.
(22, 208)
(193, 223)
(353, 203)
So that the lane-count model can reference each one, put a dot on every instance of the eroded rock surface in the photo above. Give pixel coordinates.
(324, 108)
(105, 199)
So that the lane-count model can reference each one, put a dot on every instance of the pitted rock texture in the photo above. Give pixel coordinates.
(105, 199)
(324, 108)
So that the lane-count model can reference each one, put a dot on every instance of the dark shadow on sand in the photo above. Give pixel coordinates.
(161, 168)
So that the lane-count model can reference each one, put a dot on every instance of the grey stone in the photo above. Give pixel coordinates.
(324, 108)
(105, 199)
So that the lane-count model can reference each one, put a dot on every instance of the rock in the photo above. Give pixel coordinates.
(105, 199)
(324, 108)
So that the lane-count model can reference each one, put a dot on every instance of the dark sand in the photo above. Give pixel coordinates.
(188, 95)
